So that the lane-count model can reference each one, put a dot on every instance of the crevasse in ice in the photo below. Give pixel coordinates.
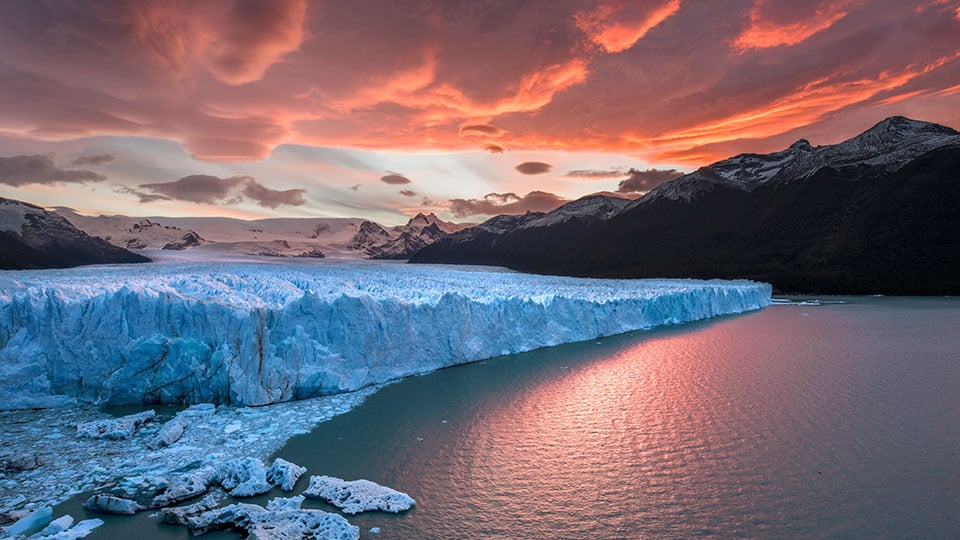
(254, 333)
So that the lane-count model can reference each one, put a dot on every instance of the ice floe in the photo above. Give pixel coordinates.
(109, 504)
(357, 496)
(114, 428)
(261, 523)
(284, 474)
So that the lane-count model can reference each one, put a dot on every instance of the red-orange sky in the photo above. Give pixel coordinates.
(318, 102)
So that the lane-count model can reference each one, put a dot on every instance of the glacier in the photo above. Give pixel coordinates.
(255, 332)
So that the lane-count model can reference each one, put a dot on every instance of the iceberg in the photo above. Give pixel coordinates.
(110, 504)
(262, 523)
(357, 496)
(257, 333)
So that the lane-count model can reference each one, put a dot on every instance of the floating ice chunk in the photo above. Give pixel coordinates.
(37, 519)
(284, 474)
(185, 487)
(170, 432)
(374, 530)
(111, 504)
(261, 523)
(232, 428)
(357, 496)
(243, 477)
(285, 503)
(58, 525)
(79, 530)
(181, 514)
(114, 428)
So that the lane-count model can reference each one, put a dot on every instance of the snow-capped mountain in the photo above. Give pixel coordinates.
(280, 237)
(481, 244)
(592, 208)
(890, 144)
(31, 237)
(878, 213)
(403, 241)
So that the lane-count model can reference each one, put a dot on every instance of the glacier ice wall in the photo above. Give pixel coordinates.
(257, 333)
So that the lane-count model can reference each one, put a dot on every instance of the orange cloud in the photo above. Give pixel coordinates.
(254, 35)
(807, 105)
(235, 41)
(480, 130)
(764, 32)
(615, 31)
(232, 80)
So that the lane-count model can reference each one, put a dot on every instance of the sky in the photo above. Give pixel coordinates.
(380, 110)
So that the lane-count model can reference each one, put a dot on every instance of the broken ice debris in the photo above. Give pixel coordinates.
(185, 487)
(170, 432)
(358, 495)
(278, 504)
(20, 462)
(111, 504)
(58, 525)
(34, 520)
(114, 428)
(180, 514)
(284, 474)
(261, 523)
(243, 477)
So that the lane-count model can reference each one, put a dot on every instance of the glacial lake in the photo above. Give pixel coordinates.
(838, 420)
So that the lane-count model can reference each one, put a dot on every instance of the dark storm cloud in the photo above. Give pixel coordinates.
(506, 203)
(199, 188)
(37, 169)
(408, 193)
(207, 189)
(395, 179)
(638, 180)
(533, 167)
(272, 198)
(98, 159)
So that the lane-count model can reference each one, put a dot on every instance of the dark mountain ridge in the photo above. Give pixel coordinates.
(877, 214)
(31, 237)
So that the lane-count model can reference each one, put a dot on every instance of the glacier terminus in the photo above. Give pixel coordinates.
(256, 332)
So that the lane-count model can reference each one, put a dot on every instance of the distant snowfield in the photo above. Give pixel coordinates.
(244, 331)
(256, 332)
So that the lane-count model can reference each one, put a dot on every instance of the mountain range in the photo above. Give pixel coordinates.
(32, 237)
(277, 237)
(876, 214)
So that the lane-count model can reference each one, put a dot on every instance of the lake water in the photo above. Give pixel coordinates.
(839, 420)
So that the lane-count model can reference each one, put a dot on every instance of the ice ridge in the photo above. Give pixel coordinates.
(259, 333)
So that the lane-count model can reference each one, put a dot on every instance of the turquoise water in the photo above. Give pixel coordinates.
(795, 421)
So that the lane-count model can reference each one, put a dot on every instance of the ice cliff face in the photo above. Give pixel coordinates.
(259, 333)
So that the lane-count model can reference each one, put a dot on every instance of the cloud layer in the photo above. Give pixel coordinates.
(665, 81)
(208, 189)
(22, 170)
(395, 179)
(638, 181)
(533, 167)
(493, 204)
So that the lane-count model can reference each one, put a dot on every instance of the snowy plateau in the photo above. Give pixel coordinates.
(254, 333)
